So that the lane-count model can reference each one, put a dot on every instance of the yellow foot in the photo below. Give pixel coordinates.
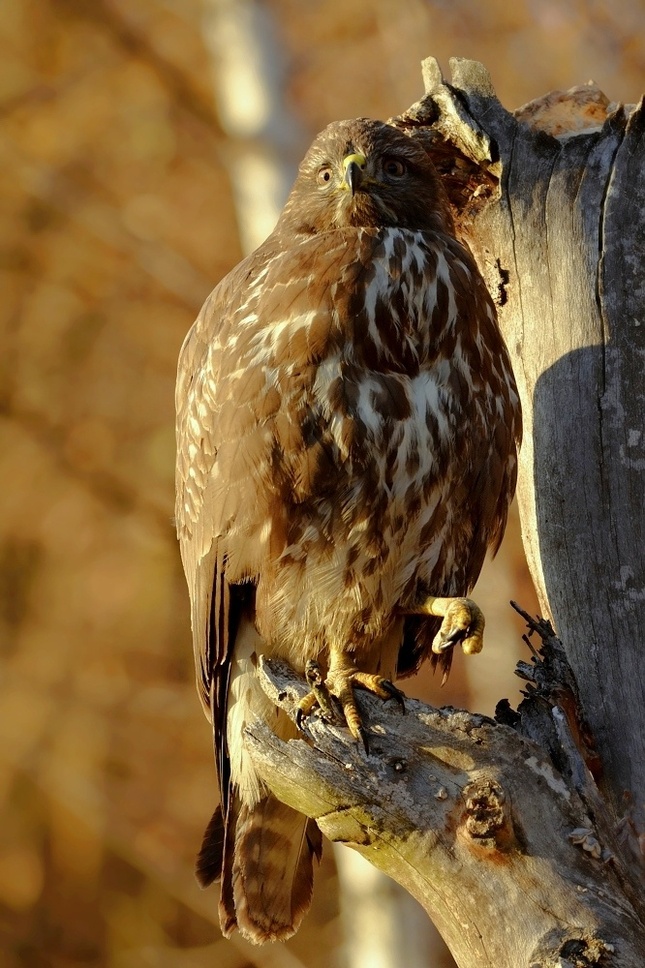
(463, 623)
(335, 696)
(319, 696)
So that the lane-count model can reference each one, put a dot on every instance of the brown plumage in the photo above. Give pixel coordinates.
(347, 429)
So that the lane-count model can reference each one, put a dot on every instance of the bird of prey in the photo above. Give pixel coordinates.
(347, 431)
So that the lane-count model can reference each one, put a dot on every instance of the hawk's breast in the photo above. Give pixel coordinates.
(378, 417)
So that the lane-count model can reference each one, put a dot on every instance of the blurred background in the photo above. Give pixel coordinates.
(145, 145)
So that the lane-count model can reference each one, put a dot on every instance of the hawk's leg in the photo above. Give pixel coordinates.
(463, 623)
(319, 696)
(338, 690)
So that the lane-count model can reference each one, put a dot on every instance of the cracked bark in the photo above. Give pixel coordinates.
(500, 831)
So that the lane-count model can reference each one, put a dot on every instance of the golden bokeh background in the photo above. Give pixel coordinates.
(117, 218)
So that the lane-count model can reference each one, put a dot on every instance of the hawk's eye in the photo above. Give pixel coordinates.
(324, 176)
(394, 167)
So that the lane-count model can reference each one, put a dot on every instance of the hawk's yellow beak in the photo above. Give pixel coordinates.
(354, 166)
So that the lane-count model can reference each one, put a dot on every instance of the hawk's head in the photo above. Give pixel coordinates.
(365, 173)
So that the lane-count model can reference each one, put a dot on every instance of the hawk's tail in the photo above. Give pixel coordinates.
(266, 859)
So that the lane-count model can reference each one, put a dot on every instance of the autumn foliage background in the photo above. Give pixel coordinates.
(117, 218)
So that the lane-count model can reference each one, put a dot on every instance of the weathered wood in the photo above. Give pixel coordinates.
(472, 819)
(557, 225)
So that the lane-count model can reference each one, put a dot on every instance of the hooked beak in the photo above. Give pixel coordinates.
(353, 166)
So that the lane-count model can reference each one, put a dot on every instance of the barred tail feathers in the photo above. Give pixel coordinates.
(268, 870)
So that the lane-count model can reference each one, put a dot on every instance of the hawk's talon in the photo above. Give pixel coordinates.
(443, 642)
(394, 693)
(363, 736)
(319, 696)
(342, 682)
(334, 697)
(313, 675)
(304, 709)
(463, 623)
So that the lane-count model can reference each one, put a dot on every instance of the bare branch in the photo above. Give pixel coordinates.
(470, 817)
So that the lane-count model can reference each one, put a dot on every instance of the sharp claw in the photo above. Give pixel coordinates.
(336, 714)
(364, 738)
(313, 674)
(462, 623)
(394, 693)
(451, 640)
(320, 695)
(335, 702)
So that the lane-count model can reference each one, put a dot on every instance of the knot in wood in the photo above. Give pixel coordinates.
(486, 816)
(581, 952)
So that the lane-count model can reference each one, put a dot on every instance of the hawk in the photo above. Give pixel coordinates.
(347, 431)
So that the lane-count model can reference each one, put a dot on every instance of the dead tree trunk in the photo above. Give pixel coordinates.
(521, 858)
